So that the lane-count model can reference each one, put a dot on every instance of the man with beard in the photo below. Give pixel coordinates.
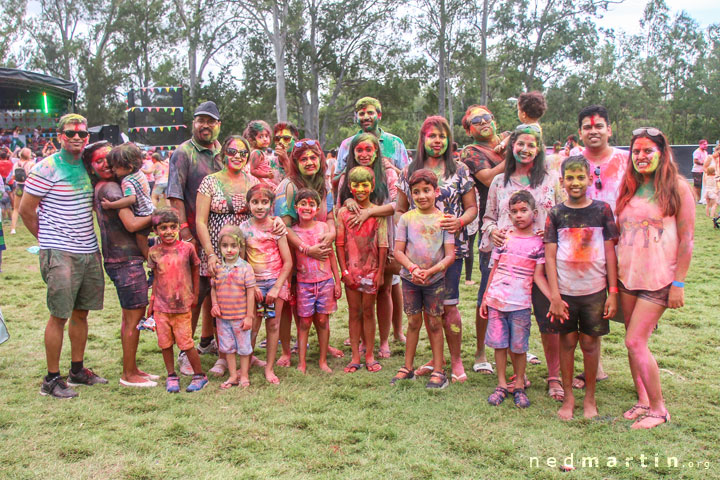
(484, 164)
(193, 160)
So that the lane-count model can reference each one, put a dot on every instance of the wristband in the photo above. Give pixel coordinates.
(613, 290)
(413, 267)
(675, 283)
(210, 255)
(184, 225)
(462, 224)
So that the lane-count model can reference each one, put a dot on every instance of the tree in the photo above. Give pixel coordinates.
(14, 12)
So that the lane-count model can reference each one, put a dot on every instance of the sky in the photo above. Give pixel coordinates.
(626, 16)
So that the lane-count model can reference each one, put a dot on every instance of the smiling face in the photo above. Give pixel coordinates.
(262, 139)
(260, 206)
(436, 142)
(308, 163)
(576, 182)
(121, 171)
(306, 208)
(645, 155)
(205, 129)
(482, 124)
(99, 164)
(229, 248)
(285, 139)
(168, 232)
(521, 215)
(72, 143)
(365, 154)
(525, 149)
(424, 195)
(361, 190)
(236, 156)
(595, 132)
(368, 118)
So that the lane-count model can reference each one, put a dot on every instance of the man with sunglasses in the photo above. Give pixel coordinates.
(191, 162)
(56, 208)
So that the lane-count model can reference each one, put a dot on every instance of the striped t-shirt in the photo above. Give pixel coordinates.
(65, 220)
(231, 284)
(136, 184)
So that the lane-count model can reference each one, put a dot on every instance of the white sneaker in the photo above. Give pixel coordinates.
(211, 349)
(185, 367)
(219, 368)
(12, 232)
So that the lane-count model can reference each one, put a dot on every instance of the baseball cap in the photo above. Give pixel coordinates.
(209, 109)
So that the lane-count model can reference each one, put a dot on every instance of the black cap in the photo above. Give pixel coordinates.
(209, 109)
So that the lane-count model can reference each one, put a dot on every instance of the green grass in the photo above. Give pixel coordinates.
(348, 426)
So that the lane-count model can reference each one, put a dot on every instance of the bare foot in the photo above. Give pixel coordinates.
(335, 352)
(256, 362)
(401, 338)
(271, 377)
(567, 409)
(283, 361)
(384, 351)
(302, 367)
(590, 409)
(325, 368)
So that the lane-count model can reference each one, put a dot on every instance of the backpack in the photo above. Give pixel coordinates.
(20, 175)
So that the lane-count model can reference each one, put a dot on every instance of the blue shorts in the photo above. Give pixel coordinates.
(452, 282)
(130, 283)
(232, 338)
(508, 329)
(417, 298)
(265, 285)
(316, 297)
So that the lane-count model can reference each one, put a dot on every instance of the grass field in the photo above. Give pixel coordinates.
(350, 426)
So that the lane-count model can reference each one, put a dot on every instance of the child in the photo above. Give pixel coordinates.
(507, 301)
(2, 238)
(531, 106)
(270, 257)
(176, 268)
(233, 305)
(258, 133)
(362, 253)
(580, 237)
(125, 161)
(425, 251)
(711, 191)
(318, 286)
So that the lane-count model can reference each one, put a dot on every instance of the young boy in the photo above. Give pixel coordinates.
(362, 253)
(318, 282)
(531, 106)
(176, 267)
(126, 161)
(507, 301)
(425, 251)
(580, 237)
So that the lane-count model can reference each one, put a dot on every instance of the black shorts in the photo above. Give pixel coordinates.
(541, 307)
(658, 297)
(697, 179)
(586, 315)
(130, 283)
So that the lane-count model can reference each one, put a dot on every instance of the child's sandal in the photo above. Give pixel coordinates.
(437, 385)
(228, 384)
(402, 374)
(498, 396)
(520, 398)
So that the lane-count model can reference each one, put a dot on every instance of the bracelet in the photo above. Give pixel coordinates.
(462, 224)
(675, 283)
(412, 267)
(210, 255)
(184, 225)
(613, 290)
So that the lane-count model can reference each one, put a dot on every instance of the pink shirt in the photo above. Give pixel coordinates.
(362, 245)
(612, 171)
(511, 285)
(310, 270)
(262, 251)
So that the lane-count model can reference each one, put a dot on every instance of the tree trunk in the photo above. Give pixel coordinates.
(192, 68)
(278, 39)
(483, 54)
(441, 60)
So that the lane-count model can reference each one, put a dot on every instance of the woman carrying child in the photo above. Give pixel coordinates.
(258, 134)
(458, 203)
(656, 219)
(525, 170)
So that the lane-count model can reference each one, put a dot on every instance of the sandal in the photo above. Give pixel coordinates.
(665, 419)
(373, 366)
(462, 378)
(402, 374)
(511, 383)
(352, 367)
(426, 369)
(520, 398)
(556, 392)
(579, 380)
(498, 396)
(532, 359)
(228, 384)
(438, 385)
(384, 353)
(483, 367)
(634, 411)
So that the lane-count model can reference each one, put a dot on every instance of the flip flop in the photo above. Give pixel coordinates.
(556, 392)
(459, 378)
(485, 368)
(347, 342)
(352, 367)
(384, 353)
(373, 367)
(227, 385)
(245, 383)
(424, 370)
(581, 378)
(532, 359)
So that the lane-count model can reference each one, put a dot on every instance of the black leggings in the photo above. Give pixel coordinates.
(470, 257)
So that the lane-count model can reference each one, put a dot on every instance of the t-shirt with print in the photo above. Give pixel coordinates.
(65, 220)
(173, 283)
(118, 245)
(480, 157)
(424, 241)
(310, 270)
(449, 201)
(511, 286)
(362, 244)
(612, 172)
(261, 250)
(137, 184)
(231, 283)
(580, 235)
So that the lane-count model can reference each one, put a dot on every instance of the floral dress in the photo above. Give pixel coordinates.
(225, 208)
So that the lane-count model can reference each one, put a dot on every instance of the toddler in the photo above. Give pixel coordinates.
(531, 106)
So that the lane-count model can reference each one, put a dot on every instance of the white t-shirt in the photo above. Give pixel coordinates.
(699, 155)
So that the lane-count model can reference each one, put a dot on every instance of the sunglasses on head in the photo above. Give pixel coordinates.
(534, 127)
(309, 143)
(653, 132)
(231, 152)
(598, 181)
(79, 133)
(481, 118)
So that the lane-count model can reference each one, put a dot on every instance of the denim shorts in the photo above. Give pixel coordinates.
(232, 338)
(417, 298)
(265, 285)
(452, 282)
(508, 329)
(130, 283)
(316, 297)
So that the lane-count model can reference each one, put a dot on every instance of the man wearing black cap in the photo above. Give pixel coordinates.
(192, 161)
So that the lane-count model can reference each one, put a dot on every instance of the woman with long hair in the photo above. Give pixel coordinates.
(525, 170)
(656, 218)
(458, 202)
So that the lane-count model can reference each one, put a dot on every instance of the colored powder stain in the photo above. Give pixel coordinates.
(582, 248)
(455, 328)
(73, 171)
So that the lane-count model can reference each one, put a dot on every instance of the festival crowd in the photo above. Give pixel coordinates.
(251, 235)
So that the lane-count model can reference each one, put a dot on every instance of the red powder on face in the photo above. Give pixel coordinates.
(592, 121)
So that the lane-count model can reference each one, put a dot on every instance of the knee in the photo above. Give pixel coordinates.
(414, 322)
(272, 325)
(433, 325)
(634, 344)
(589, 345)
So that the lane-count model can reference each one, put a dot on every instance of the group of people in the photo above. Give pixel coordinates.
(253, 234)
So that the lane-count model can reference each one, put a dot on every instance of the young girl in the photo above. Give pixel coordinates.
(269, 255)
(710, 182)
(318, 283)
(233, 305)
(258, 134)
(362, 251)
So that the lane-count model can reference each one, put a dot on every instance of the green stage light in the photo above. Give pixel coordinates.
(45, 103)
